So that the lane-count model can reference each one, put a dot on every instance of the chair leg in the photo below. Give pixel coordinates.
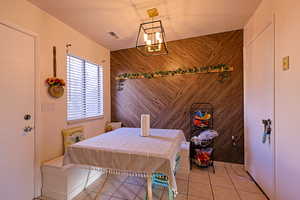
(87, 179)
(146, 196)
(213, 166)
(149, 188)
(100, 189)
(171, 194)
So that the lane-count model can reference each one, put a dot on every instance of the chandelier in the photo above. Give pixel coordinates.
(151, 36)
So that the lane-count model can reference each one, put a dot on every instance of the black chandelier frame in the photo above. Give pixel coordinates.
(142, 47)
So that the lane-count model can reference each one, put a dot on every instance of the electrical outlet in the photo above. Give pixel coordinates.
(286, 63)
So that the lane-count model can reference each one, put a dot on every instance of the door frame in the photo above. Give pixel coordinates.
(36, 164)
(269, 23)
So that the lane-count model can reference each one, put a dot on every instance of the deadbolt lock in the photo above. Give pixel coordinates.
(27, 117)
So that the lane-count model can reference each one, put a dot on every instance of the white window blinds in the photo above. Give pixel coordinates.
(85, 89)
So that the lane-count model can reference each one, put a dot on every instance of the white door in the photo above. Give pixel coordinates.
(259, 105)
(17, 69)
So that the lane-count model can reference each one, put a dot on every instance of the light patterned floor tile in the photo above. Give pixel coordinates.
(197, 186)
(200, 190)
(127, 191)
(80, 196)
(182, 186)
(219, 171)
(246, 185)
(199, 175)
(109, 188)
(198, 198)
(237, 171)
(103, 197)
(95, 186)
(120, 178)
(251, 196)
(115, 198)
(157, 193)
(221, 193)
(222, 181)
(182, 176)
(165, 196)
(92, 196)
(135, 180)
(243, 178)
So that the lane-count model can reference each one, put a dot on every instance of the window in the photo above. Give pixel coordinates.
(85, 89)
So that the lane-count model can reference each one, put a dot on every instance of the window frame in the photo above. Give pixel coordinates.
(74, 121)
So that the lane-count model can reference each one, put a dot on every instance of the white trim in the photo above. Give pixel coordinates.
(274, 124)
(37, 180)
(77, 121)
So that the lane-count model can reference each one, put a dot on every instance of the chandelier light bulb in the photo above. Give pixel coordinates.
(145, 37)
(157, 36)
(148, 42)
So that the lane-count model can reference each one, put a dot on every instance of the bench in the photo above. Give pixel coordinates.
(64, 182)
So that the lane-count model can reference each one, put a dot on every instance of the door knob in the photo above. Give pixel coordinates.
(27, 117)
(267, 130)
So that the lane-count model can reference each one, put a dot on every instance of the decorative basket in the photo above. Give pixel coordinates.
(203, 157)
(56, 91)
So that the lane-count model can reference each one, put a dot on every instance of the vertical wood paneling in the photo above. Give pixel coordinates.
(168, 99)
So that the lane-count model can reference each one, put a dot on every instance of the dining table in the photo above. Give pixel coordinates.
(125, 151)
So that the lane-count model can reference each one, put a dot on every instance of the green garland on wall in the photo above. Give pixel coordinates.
(221, 68)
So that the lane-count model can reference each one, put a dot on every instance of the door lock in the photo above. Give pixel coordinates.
(27, 117)
(27, 129)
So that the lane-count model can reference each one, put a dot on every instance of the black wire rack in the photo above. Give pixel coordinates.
(197, 128)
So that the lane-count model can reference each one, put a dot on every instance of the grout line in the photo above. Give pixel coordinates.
(117, 197)
(211, 187)
(112, 195)
(233, 182)
(188, 186)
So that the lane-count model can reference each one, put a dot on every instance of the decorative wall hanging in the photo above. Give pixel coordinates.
(55, 85)
(151, 36)
(222, 69)
(196, 70)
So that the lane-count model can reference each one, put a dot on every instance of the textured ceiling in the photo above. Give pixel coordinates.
(181, 18)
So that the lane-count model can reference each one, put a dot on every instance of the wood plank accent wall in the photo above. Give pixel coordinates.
(168, 99)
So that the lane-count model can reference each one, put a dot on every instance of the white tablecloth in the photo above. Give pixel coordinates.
(124, 150)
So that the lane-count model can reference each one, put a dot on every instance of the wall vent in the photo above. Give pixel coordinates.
(113, 34)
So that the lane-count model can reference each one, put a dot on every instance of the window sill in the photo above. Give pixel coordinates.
(77, 121)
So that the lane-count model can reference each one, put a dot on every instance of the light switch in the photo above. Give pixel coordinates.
(286, 63)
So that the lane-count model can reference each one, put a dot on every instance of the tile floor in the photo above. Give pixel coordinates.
(230, 182)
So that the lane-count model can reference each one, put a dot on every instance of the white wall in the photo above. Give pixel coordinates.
(287, 95)
(53, 32)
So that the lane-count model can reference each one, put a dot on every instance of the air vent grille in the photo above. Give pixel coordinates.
(113, 34)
